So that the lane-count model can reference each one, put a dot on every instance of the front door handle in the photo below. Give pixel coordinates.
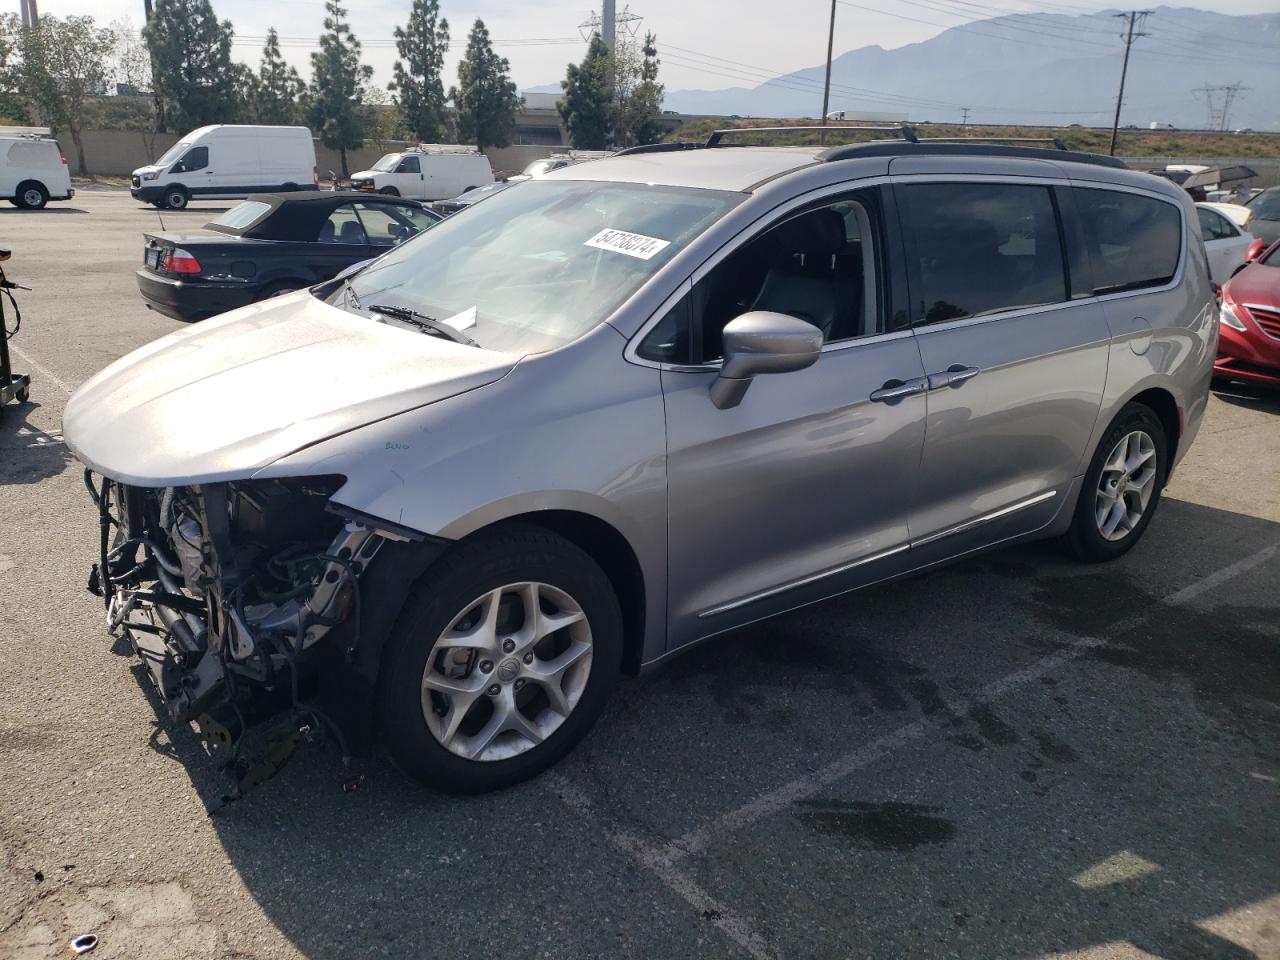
(895, 390)
(953, 376)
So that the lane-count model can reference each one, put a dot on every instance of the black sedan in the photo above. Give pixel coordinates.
(270, 244)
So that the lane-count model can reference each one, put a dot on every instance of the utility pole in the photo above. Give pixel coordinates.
(964, 116)
(826, 84)
(1132, 16)
(609, 24)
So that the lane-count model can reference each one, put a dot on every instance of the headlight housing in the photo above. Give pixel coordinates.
(150, 176)
(1228, 317)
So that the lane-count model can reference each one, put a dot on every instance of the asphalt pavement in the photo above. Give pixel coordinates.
(1016, 756)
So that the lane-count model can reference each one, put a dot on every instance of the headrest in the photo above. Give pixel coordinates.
(819, 233)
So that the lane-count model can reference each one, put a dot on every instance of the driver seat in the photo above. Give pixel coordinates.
(805, 279)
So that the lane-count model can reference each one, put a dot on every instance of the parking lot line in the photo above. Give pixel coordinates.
(664, 861)
(41, 369)
(776, 800)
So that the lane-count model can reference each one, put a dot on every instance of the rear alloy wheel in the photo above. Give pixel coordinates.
(502, 660)
(32, 196)
(175, 198)
(1122, 486)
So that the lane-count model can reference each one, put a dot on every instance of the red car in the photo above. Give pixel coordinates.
(1249, 322)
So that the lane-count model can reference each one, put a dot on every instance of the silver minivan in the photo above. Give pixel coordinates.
(443, 502)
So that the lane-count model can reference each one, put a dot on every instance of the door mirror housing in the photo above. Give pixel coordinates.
(762, 342)
(1254, 251)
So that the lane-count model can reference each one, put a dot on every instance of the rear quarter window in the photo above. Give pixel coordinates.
(30, 153)
(1134, 241)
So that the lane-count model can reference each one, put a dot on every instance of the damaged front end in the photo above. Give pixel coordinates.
(235, 595)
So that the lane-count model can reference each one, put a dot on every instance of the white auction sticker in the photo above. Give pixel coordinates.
(632, 244)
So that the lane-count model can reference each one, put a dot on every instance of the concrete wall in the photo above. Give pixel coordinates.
(116, 153)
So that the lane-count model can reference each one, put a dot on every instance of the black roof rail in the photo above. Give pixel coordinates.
(1057, 144)
(902, 130)
(953, 148)
(660, 148)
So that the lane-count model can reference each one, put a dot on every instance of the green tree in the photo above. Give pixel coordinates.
(587, 106)
(277, 90)
(338, 81)
(13, 107)
(422, 44)
(65, 63)
(637, 93)
(195, 79)
(485, 97)
(383, 121)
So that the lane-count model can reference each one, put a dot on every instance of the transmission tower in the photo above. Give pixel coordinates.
(1219, 100)
(623, 24)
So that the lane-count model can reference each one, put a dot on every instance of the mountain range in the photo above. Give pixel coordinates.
(1036, 68)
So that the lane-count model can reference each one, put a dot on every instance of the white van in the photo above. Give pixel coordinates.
(229, 161)
(33, 170)
(435, 171)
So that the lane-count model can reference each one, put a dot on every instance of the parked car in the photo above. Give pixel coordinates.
(558, 161)
(429, 172)
(1264, 215)
(228, 162)
(1227, 245)
(1249, 348)
(462, 201)
(631, 406)
(34, 170)
(270, 244)
(1237, 213)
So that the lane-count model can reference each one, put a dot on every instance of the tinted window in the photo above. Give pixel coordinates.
(668, 342)
(1266, 205)
(197, 158)
(408, 165)
(983, 248)
(1134, 241)
(343, 226)
(1214, 226)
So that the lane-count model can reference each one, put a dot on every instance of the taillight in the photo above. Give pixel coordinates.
(178, 260)
(1217, 293)
(63, 157)
(315, 175)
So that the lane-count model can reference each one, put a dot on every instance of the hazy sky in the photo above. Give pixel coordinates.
(774, 36)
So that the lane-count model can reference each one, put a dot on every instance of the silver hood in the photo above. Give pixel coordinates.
(228, 396)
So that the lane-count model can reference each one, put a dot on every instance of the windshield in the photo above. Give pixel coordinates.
(387, 163)
(532, 269)
(173, 153)
(1266, 205)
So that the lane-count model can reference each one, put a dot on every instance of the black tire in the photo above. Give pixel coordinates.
(390, 191)
(469, 189)
(31, 195)
(289, 188)
(175, 198)
(22, 395)
(13, 202)
(278, 289)
(512, 554)
(1084, 540)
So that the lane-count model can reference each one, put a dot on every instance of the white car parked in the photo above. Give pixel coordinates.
(428, 172)
(1226, 244)
(33, 170)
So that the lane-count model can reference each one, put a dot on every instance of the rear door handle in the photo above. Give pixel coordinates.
(895, 390)
(953, 376)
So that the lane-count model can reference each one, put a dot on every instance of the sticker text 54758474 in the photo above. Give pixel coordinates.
(632, 244)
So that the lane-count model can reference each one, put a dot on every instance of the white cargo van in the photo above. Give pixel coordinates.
(434, 171)
(33, 170)
(229, 161)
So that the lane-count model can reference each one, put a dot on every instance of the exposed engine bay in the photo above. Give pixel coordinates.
(232, 594)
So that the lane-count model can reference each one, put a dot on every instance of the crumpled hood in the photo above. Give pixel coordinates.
(228, 396)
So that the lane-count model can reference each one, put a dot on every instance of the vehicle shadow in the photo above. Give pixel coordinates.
(27, 453)
(19, 211)
(191, 210)
(1249, 396)
(1154, 755)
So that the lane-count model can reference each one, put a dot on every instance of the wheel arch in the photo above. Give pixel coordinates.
(1162, 403)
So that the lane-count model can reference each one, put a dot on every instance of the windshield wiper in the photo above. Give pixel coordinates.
(423, 322)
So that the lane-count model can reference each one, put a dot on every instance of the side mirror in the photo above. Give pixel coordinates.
(1254, 251)
(762, 342)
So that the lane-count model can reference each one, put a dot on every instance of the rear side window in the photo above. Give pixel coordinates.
(1134, 240)
(1214, 226)
(983, 248)
(241, 215)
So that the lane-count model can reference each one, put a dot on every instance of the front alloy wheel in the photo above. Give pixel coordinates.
(508, 672)
(503, 656)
